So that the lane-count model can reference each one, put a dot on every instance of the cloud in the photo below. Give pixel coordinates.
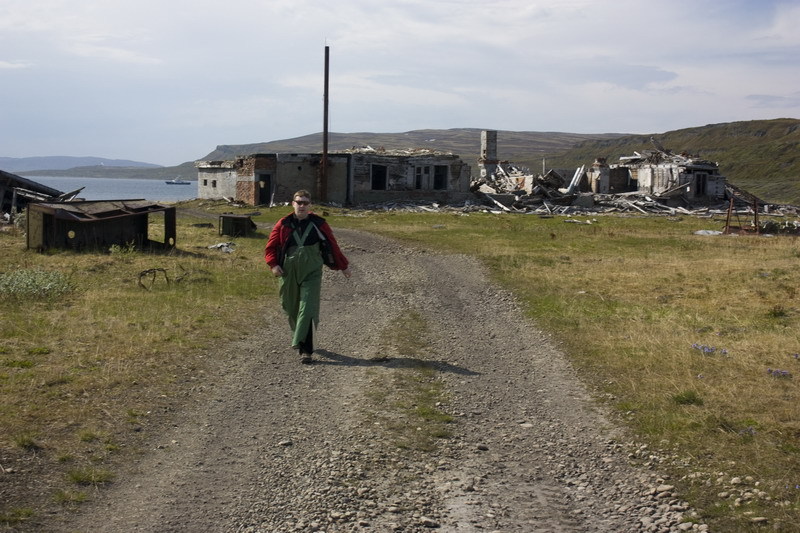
(771, 101)
(185, 75)
(98, 46)
(15, 64)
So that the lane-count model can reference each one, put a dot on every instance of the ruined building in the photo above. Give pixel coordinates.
(356, 176)
(660, 174)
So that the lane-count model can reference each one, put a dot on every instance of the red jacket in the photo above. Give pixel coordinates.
(278, 241)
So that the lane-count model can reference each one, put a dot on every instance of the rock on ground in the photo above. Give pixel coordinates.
(278, 447)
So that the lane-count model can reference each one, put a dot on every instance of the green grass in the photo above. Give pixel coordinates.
(27, 442)
(628, 298)
(687, 397)
(87, 366)
(407, 400)
(34, 284)
(70, 497)
(16, 515)
(89, 475)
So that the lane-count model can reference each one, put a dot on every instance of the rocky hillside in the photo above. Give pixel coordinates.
(466, 142)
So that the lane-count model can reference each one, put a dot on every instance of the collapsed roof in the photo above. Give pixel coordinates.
(16, 192)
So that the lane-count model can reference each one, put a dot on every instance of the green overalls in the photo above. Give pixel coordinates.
(300, 285)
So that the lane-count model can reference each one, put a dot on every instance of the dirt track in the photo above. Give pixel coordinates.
(272, 445)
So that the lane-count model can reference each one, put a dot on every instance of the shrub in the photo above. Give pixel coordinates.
(65, 497)
(123, 250)
(89, 476)
(688, 397)
(15, 515)
(34, 284)
(27, 442)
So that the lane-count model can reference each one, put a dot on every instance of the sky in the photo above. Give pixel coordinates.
(166, 81)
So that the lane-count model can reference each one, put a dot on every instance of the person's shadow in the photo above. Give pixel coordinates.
(332, 358)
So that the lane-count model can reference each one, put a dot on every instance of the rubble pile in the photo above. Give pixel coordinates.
(642, 189)
(367, 149)
(764, 218)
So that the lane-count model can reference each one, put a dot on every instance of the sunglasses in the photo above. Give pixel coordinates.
(302, 202)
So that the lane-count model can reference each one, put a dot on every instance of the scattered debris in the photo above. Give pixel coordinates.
(779, 218)
(649, 182)
(153, 273)
(225, 247)
(236, 225)
(17, 192)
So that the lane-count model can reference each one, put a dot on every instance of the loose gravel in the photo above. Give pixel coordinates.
(270, 445)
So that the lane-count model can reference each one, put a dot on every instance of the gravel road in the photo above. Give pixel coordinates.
(270, 445)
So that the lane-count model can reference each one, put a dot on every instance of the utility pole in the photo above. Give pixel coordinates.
(323, 175)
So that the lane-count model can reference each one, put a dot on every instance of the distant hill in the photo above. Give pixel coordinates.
(57, 162)
(185, 170)
(760, 156)
(466, 142)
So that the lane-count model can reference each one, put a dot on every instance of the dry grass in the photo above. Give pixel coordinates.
(406, 400)
(654, 315)
(628, 297)
(84, 375)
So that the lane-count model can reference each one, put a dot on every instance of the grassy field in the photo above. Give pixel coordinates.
(92, 352)
(692, 339)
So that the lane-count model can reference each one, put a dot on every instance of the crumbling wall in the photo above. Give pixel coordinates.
(352, 177)
(247, 192)
(294, 172)
(216, 179)
(460, 174)
(620, 179)
(248, 170)
(436, 177)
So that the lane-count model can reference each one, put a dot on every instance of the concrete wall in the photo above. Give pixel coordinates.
(699, 182)
(439, 178)
(216, 179)
(410, 178)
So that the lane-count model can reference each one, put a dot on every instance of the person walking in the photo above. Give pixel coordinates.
(294, 253)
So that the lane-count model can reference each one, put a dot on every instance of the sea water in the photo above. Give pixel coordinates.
(120, 188)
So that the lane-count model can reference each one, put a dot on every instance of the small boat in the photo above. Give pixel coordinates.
(178, 181)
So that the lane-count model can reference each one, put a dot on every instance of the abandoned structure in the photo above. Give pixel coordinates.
(359, 175)
(488, 162)
(668, 178)
(16, 192)
(97, 224)
(661, 174)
